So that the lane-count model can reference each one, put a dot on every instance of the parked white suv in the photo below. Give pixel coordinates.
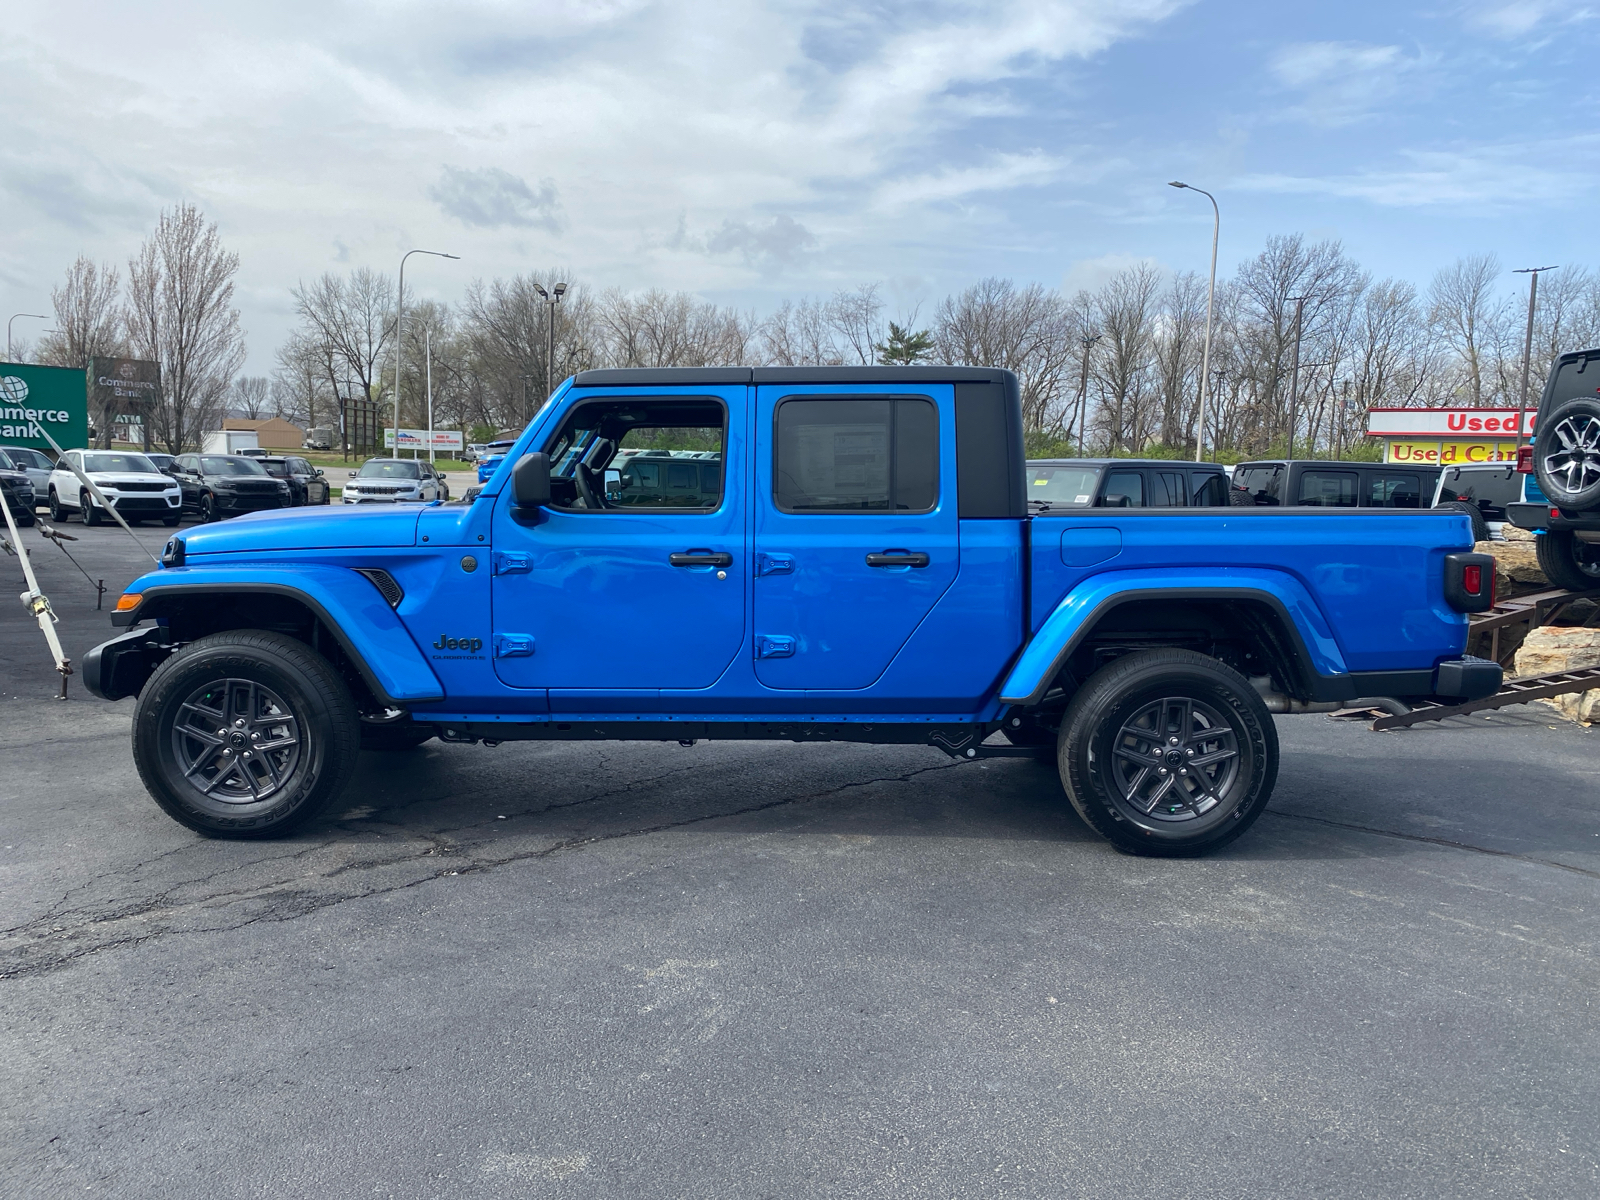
(129, 481)
(392, 480)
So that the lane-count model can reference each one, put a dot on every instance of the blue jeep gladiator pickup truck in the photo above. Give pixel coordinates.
(808, 554)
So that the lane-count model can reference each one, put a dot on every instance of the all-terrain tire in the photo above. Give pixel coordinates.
(193, 727)
(1480, 527)
(1566, 454)
(1168, 753)
(1567, 562)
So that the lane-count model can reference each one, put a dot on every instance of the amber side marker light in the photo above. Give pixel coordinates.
(129, 601)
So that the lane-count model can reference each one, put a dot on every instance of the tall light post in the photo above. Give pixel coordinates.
(1294, 376)
(14, 316)
(551, 299)
(1211, 292)
(427, 354)
(1533, 274)
(1088, 340)
(399, 319)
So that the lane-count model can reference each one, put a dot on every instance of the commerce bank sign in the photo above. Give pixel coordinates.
(35, 400)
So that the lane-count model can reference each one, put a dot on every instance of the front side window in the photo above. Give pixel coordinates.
(1328, 489)
(631, 455)
(856, 455)
(1068, 487)
(31, 459)
(1124, 489)
(128, 463)
(229, 464)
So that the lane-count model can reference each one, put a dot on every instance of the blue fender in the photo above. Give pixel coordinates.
(352, 608)
(1078, 611)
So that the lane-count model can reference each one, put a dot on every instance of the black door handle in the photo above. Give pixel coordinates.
(700, 558)
(898, 558)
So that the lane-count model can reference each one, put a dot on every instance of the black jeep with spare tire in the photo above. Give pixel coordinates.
(1565, 459)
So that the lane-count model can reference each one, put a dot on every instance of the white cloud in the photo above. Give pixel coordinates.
(1341, 82)
(1090, 274)
(1518, 18)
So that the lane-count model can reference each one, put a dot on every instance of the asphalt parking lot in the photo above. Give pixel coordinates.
(748, 970)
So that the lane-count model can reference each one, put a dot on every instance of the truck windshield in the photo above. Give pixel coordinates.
(119, 462)
(230, 464)
(1071, 487)
(388, 469)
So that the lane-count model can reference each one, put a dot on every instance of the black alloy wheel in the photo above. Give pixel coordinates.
(1168, 753)
(1567, 454)
(58, 512)
(87, 512)
(245, 734)
(208, 507)
(1568, 562)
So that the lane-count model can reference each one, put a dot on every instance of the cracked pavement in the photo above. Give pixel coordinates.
(744, 969)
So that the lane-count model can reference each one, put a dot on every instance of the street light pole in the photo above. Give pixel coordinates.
(551, 299)
(1294, 377)
(399, 319)
(427, 354)
(14, 316)
(1211, 292)
(1533, 274)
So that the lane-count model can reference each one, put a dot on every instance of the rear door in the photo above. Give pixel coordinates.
(856, 533)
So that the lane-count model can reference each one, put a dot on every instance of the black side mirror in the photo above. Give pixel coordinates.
(530, 480)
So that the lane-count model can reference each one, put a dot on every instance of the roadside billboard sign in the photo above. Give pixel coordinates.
(422, 439)
(34, 399)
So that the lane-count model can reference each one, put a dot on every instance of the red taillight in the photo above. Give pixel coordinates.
(1472, 579)
(1555, 513)
(1525, 459)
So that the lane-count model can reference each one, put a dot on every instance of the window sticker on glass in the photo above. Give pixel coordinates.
(1080, 499)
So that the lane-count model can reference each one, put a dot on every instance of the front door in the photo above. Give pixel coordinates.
(856, 533)
(632, 577)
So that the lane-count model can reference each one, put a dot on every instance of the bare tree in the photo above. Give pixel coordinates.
(1464, 310)
(799, 334)
(181, 315)
(352, 320)
(250, 396)
(672, 329)
(1027, 330)
(89, 324)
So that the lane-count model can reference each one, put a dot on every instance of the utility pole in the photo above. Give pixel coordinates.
(1088, 340)
(1294, 378)
(1533, 274)
(14, 316)
(1211, 291)
(551, 299)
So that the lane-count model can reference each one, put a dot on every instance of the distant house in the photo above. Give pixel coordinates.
(274, 433)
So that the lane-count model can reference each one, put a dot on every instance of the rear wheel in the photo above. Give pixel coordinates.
(87, 511)
(1168, 753)
(1568, 562)
(245, 734)
(1480, 527)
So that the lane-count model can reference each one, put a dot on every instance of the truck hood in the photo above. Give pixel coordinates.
(314, 528)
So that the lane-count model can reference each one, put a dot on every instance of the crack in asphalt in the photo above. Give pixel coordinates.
(1436, 841)
(288, 905)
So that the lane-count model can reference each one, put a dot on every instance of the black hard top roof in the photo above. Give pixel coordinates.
(1333, 462)
(1121, 462)
(691, 376)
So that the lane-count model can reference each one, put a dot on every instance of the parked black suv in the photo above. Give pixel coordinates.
(1312, 483)
(16, 491)
(1056, 483)
(306, 484)
(225, 485)
(1565, 459)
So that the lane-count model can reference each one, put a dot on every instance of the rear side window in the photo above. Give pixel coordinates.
(1263, 484)
(1394, 491)
(1328, 489)
(1124, 489)
(856, 455)
(1210, 491)
(1167, 490)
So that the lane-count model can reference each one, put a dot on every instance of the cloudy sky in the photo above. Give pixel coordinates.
(751, 149)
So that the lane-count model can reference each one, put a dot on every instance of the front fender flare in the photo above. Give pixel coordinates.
(1044, 656)
(354, 611)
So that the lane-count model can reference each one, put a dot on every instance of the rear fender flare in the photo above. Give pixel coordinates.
(1075, 617)
(354, 611)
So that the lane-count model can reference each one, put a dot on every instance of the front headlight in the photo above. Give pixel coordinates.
(223, 485)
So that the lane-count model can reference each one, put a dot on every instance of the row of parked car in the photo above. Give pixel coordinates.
(166, 487)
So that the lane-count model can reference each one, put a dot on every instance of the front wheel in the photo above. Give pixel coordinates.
(1567, 562)
(58, 511)
(1168, 753)
(245, 734)
(208, 508)
(88, 513)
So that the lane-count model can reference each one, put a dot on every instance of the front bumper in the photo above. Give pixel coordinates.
(1540, 516)
(161, 503)
(347, 498)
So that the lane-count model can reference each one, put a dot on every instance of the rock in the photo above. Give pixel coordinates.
(1516, 567)
(1552, 648)
(1513, 533)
